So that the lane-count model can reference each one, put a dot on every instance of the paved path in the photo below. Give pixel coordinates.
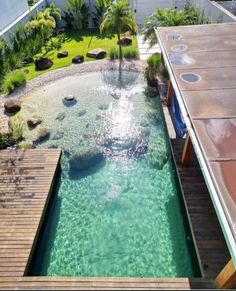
(144, 48)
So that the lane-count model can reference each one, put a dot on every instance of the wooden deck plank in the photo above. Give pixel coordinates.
(20, 213)
(210, 243)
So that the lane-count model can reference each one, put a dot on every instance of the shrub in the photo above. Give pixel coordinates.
(14, 136)
(128, 53)
(14, 80)
(154, 60)
(114, 53)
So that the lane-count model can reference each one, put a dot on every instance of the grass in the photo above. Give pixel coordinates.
(130, 52)
(77, 43)
(14, 80)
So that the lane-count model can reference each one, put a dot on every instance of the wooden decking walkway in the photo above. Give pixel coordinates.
(212, 248)
(26, 177)
(210, 243)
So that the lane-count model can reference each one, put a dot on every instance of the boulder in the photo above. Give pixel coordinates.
(33, 122)
(103, 106)
(97, 53)
(86, 158)
(78, 59)
(43, 134)
(60, 116)
(62, 54)
(127, 34)
(125, 41)
(43, 63)
(12, 105)
(58, 135)
(69, 100)
(82, 112)
(28, 60)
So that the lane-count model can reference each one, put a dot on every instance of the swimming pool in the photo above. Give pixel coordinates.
(122, 217)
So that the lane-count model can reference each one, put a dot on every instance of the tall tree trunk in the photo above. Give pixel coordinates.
(120, 47)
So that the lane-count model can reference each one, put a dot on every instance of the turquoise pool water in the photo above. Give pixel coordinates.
(122, 217)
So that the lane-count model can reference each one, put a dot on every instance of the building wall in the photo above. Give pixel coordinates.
(143, 8)
(10, 10)
(19, 20)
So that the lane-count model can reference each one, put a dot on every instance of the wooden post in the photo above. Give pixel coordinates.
(187, 151)
(170, 93)
(227, 277)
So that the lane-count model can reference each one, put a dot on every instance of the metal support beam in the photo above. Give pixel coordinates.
(170, 94)
(187, 151)
(227, 277)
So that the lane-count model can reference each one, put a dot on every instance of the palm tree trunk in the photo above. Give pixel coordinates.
(120, 47)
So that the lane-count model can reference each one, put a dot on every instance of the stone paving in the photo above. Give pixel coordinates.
(144, 48)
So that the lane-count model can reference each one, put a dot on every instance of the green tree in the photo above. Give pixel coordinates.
(188, 15)
(53, 11)
(100, 8)
(117, 19)
(80, 11)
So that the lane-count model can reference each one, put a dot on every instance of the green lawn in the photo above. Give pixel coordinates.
(77, 43)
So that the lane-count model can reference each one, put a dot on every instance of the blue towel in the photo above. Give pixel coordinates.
(179, 125)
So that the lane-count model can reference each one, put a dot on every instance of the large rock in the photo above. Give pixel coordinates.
(78, 59)
(86, 158)
(33, 122)
(62, 54)
(69, 100)
(97, 53)
(60, 116)
(12, 105)
(125, 41)
(42, 135)
(43, 63)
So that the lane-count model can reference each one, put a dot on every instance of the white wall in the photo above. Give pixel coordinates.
(213, 12)
(10, 10)
(21, 19)
(145, 8)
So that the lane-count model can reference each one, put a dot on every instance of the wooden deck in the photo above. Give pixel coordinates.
(210, 243)
(26, 178)
(212, 248)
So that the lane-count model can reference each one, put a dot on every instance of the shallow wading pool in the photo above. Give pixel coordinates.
(122, 215)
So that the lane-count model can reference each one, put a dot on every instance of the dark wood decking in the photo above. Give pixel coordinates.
(26, 177)
(210, 243)
(212, 248)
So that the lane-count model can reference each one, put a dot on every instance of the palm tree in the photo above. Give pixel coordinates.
(100, 7)
(161, 17)
(53, 11)
(189, 15)
(117, 19)
(79, 10)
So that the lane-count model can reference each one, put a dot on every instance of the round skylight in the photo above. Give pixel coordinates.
(190, 77)
(173, 36)
(179, 48)
(180, 59)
